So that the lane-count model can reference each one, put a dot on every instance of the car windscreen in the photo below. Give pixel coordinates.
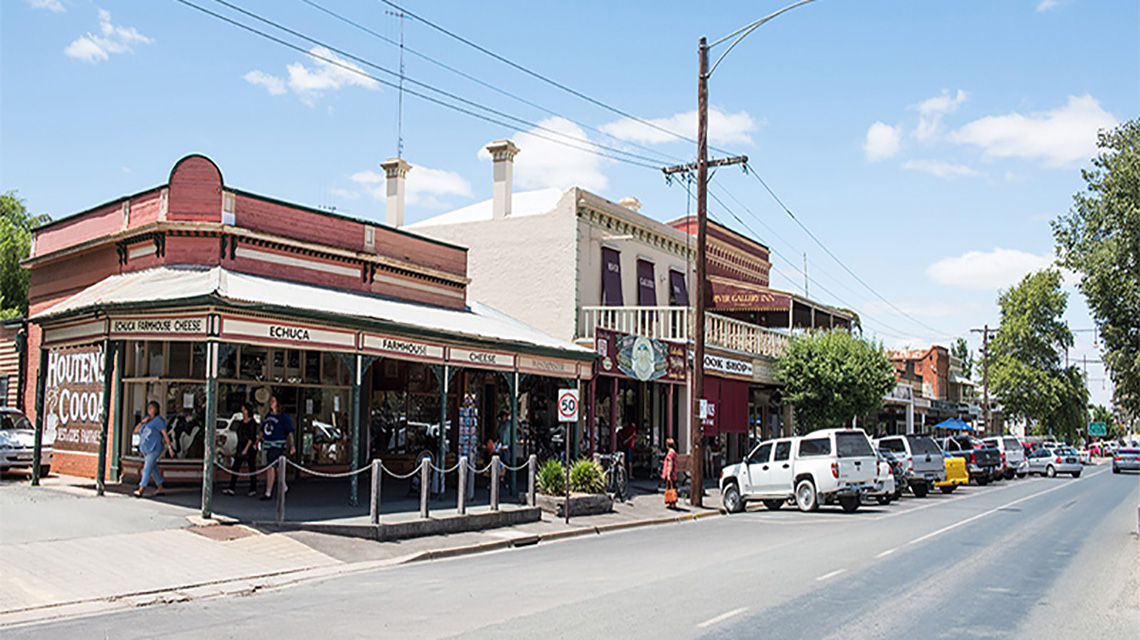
(853, 445)
(14, 421)
(814, 447)
(1011, 444)
(924, 445)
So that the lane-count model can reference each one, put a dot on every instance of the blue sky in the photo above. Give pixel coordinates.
(927, 144)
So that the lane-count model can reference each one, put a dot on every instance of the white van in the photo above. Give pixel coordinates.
(1014, 462)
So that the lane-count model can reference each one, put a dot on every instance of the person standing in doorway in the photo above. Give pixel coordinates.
(153, 440)
(246, 450)
(276, 435)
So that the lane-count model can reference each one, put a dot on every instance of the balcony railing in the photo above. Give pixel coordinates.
(675, 324)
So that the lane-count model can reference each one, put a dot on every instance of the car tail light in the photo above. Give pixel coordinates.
(835, 470)
(973, 459)
(1003, 458)
(1058, 459)
(1118, 457)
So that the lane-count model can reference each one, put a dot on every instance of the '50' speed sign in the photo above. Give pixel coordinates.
(568, 405)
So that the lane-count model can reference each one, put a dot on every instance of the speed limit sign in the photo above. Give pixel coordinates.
(567, 405)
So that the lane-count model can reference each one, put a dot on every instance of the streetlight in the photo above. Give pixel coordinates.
(696, 493)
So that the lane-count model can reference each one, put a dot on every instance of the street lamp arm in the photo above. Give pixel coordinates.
(743, 32)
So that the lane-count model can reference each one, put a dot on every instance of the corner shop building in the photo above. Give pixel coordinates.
(202, 297)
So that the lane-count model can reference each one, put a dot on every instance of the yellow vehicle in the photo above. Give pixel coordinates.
(955, 475)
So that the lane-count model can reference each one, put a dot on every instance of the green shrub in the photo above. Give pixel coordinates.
(587, 476)
(552, 478)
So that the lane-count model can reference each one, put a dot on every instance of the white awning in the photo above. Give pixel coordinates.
(168, 286)
(958, 378)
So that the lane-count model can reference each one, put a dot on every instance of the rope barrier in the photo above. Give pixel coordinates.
(397, 476)
(444, 471)
(240, 474)
(319, 474)
(479, 471)
(522, 466)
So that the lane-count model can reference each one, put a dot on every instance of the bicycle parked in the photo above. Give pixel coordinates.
(617, 482)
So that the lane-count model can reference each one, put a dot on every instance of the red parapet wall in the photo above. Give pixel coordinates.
(195, 191)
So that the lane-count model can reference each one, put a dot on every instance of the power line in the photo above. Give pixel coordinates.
(482, 83)
(600, 149)
(543, 78)
(836, 258)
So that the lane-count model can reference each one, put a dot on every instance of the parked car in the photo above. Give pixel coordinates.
(1012, 456)
(1126, 459)
(1051, 462)
(956, 475)
(823, 467)
(922, 459)
(885, 477)
(17, 442)
(1086, 455)
(983, 463)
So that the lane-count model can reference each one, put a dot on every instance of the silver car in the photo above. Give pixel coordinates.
(17, 441)
(1050, 462)
(1126, 459)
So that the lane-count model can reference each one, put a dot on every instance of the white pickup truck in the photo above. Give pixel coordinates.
(822, 467)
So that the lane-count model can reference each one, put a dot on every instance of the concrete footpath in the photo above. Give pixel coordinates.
(66, 552)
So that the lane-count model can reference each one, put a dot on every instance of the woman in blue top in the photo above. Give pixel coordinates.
(276, 434)
(153, 440)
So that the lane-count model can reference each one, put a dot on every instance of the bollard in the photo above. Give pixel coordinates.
(532, 471)
(425, 480)
(377, 474)
(494, 483)
(280, 489)
(461, 507)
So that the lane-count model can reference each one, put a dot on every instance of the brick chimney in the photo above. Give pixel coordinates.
(396, 169)
(503, 154)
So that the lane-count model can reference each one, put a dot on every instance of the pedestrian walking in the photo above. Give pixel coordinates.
(153, 440)
(246, 452)
(669, 473)
(276, 435)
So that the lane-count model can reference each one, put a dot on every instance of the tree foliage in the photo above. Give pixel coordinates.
(961, 350)
(1026, 371)
(1100, 240)
(832, 376)
(16, 226)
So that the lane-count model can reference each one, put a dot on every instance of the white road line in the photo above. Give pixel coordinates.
(828, 576)
(722, 617)
(887, 553)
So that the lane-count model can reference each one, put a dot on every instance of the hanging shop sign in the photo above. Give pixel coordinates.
(292, 334)
(403, 349)
(163, 326)
(75, 332)
(726, 296)
(73, 398)
(639, 357)
(481, 359)
(728, 365)
(548, 367)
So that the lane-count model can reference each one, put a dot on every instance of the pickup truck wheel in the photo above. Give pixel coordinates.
(948, 488)
(1009, 474)
(1050, 471)
(45, 470)
(883, 500)
(733, 503)
(806, 499)
(849, 503)
(773, 505)
(920, 489)
(983, 481)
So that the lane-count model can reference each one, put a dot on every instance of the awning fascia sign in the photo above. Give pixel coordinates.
(403, 349)
(169, 327)
(75, 333)
(549, 367)
(730, 366)
(287, 333)
(480, 359)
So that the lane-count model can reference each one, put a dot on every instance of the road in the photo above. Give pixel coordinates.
(1029, 558)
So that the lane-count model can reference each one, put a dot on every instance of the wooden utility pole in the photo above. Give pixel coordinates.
(696, 427)
(985, 331)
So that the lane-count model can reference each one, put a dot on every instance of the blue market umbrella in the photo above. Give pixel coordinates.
(954, 424)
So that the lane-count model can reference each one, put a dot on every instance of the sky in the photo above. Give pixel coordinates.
(927, 145)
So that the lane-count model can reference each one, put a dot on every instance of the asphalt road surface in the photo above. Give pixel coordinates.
(1027, 558)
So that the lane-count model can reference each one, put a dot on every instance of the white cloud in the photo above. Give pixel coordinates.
(883, 141)
(917, 308)
(1062, 137)
(986, 271)
(724, 128)
(931, 112)
(329, 72)
(425, 187)
(544, 162)
(112, 39)
(274, 85)
(55, 6)
(1046, 5)
(939, 169)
